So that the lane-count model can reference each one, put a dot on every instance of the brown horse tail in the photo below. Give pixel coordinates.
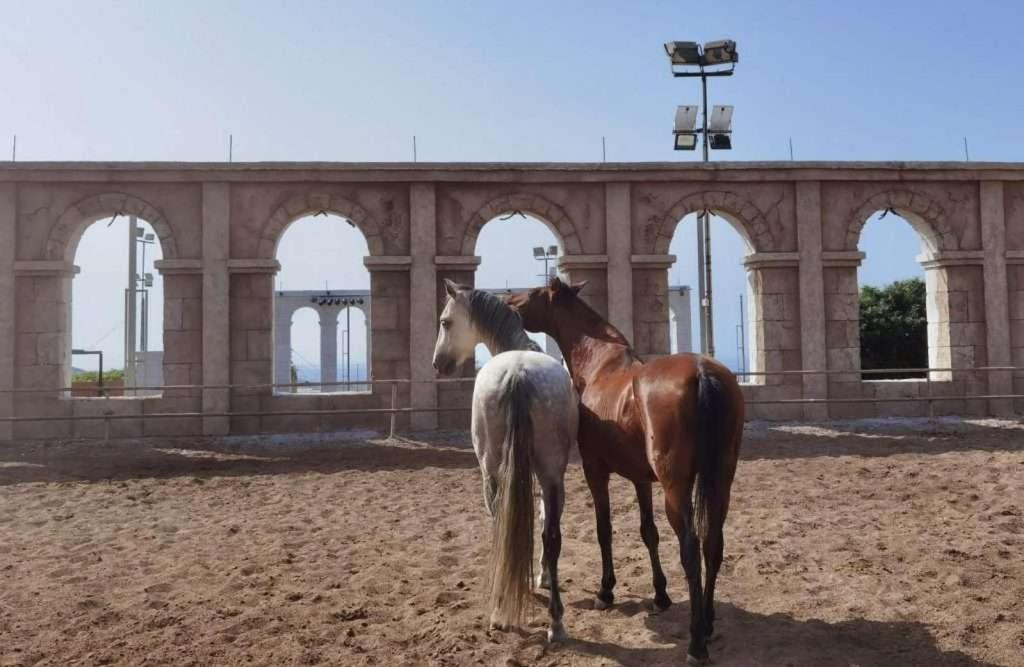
(512, 547)
(711, 415)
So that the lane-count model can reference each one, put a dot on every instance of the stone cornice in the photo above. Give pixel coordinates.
(168, 267)
(652, 261)
(570, 262)
(952, 258)
(841, 258)
(387, 262)
(405, 172)
(771, 260)
(253, 266)
(45, 267)
(458, 262)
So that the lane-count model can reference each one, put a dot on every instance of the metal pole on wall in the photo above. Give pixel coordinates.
(704, 242)
(131, 312)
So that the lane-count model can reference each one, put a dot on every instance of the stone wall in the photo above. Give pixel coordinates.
(219, 226)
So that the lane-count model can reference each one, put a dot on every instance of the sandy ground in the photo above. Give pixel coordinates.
(865, 544)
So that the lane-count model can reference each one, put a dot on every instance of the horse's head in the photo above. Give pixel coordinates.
(456, 337)
(536, 306)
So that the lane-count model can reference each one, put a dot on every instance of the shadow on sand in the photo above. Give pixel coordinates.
(97, 461)
(878, 439)
(747, 638)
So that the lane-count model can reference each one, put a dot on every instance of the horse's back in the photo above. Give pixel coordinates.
(553, 405)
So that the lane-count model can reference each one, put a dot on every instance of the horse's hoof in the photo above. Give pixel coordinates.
(557, 633)
(694, 660)
(543, 583)
(660, 606)
(601, 605)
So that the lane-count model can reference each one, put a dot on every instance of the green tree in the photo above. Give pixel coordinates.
(894, 328)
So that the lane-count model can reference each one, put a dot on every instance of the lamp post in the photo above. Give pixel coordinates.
(545, 255)
(708, 61)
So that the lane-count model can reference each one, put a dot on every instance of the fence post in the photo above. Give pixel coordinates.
(394, 401)
(928, 389)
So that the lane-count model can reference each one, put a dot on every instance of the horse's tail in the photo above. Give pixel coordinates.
(512, 546)
(711, 446)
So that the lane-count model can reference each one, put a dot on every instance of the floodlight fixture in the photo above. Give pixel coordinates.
(552, 251)
(683, 53)
(147, 279)
(720, 52)
(148, 237)
(686, 142)
(720, 142)
(538, 252)
(684, 128)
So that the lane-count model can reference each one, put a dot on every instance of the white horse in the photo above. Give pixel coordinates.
(525, 418)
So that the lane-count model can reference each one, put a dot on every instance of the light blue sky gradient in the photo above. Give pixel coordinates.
(507, 81)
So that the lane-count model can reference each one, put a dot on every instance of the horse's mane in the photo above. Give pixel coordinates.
(499, 323)
(593, 324)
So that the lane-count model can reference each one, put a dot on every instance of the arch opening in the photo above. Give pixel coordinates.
(517, 250)
(116, 311)
(903, 304)
(322, 272)
(734, 304)
(353, 358)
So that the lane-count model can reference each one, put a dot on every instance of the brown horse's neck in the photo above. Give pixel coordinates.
(590, 344)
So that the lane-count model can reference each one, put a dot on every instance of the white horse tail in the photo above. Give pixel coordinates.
(511, 572)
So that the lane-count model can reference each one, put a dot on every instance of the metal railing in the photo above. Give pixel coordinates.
(109, 416)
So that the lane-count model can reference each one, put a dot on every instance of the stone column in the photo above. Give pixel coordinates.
(8, 234)
(957, 336)
(618, 241)
(328, 349)
(997, 310)
(183, 333)
(592, 269)
(842, 331)
(775, 329)
(679, 304)
(422, 303)
(216, 319)
(812, 296)
(650, 304)
(283, 346)
(389, 328)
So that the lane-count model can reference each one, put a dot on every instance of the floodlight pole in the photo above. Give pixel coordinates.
(707, 337)
(707, 333)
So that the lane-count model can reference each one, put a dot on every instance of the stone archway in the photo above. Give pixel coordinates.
(309, 203)
(748, 221)
(62, 242)
(548, 212)
(923, 213)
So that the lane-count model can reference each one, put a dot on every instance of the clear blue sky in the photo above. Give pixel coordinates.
(509, 81)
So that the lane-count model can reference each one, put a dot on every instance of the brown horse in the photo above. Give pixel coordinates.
(677, 420)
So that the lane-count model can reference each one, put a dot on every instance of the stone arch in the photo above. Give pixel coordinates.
(309, 203)
(923, 213)
(748, 221)
(548, 212)
(62, 242)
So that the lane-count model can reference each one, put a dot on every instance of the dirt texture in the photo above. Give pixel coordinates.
(881, 543)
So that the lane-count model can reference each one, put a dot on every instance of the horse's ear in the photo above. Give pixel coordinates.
(451, 288)
(577, 287)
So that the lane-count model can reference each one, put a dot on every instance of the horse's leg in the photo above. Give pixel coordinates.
(543, 578)
(554, 498)
(649, 533)
(597, 479)
(679, 507)
(490, 491)
(714, 548)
